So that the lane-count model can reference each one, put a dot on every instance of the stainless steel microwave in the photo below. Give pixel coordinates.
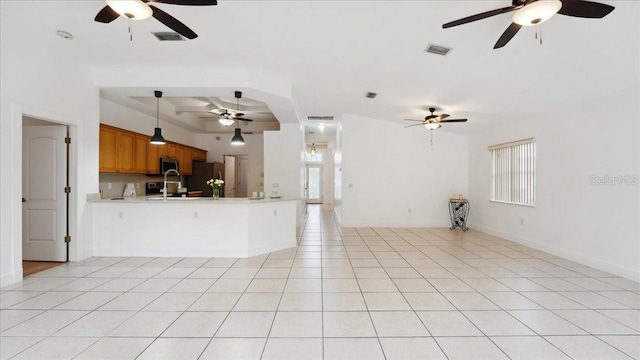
(167, 164)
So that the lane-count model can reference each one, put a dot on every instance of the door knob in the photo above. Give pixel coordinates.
(24, 200)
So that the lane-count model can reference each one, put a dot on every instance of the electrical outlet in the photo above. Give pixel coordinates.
(109, 186)
(275, 212)
(120, 214)
(195, 214)
(350, 186)
(521, 221)
(409, 210)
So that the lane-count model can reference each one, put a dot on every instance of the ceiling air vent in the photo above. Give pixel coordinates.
(319, 118)
(168, 36)
(371, 95)
(437, 49)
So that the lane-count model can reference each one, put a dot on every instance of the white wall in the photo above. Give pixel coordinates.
(42, 86)
(392, 176)
(123, 117)
(595, 225)
(284, 164)
(253, 148)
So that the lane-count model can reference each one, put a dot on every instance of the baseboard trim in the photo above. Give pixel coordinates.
(630, 274)
(397, 225)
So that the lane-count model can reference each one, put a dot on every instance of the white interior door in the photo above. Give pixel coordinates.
(314, 184)
(229, 176)
(242, 166)
(44, 163)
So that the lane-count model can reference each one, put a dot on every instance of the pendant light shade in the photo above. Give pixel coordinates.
(237, 139)
(157, 138)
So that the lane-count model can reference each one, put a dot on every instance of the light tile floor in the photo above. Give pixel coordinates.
(350, 293)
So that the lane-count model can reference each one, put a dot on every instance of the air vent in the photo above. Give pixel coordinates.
(319, 118)
(371, 95)
(168, 36)
(311, 132)
(437, 49)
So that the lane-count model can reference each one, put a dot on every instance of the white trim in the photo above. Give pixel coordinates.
(632, 274)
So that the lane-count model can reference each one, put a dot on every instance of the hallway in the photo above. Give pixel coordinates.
(350, 293)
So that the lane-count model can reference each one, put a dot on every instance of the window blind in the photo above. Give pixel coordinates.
(514, 172)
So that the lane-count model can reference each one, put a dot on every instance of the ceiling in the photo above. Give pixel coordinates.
(333, 52)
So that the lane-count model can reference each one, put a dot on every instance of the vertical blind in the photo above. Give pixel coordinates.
(514, 172)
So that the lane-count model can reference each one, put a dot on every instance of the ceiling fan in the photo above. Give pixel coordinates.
(238, 115)
(140, 9)
(433, 122)
(533, 12)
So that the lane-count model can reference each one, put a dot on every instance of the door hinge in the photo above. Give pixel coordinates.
(67, 189)
(67, 140)
(67, 239)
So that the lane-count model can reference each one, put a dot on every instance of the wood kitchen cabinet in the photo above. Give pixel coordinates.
(140, 156)
(153, 158)
(117, 150)
(199, 155)
(107, 149)
(123, 151)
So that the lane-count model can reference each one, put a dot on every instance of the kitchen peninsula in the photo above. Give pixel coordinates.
(192, 227)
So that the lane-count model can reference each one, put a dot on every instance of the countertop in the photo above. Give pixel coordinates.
(182, 200)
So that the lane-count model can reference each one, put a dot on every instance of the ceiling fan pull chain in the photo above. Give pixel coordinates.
(431, 131)
(540, 35)
(130, 31)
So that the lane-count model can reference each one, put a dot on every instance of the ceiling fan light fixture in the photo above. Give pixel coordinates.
(226, 122)
(313, 149)
(237, 139)
(431, 125)
(132, 9)
(537, 12)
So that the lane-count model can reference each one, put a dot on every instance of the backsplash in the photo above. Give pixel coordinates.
(113, 184)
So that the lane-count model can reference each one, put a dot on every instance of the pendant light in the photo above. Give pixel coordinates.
(132, 9)
(313, 149)
(157, 138)
(536, 12)
(237, 139)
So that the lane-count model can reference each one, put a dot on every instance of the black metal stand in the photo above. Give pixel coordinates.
(459, 211)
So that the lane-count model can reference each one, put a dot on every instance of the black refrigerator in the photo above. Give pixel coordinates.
(203, 171)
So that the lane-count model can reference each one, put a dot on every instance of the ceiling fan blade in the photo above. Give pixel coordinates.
(443, 116)
(242, 119)
(480, 16)
(173, 23)
(585, 9)
(508, 34)
(453, 120)
(188, 2)
(413, 120)
(106, 15)
(414, 125)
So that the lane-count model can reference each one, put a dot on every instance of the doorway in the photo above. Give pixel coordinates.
(314, 184)
(45, 191)
(236, 175)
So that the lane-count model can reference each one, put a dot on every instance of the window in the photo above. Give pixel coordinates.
(317, 157)
(513, 172)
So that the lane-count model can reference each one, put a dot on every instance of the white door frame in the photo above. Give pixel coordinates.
(14, 188)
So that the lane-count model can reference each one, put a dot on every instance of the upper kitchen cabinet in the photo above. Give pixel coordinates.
(199, 155)
(141, 150)
(117, 150)
(107, 149)
(123, 151)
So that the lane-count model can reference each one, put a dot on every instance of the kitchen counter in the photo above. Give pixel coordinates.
(192, 227)
(158, 199)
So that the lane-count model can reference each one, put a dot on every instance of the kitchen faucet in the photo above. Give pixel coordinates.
(164, 189)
